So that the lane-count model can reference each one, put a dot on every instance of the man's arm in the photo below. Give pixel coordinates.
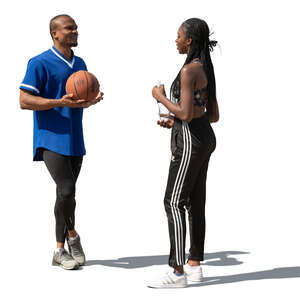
(29, 101)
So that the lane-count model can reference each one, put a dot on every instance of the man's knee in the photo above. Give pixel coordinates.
(65, 198)
(66, 192)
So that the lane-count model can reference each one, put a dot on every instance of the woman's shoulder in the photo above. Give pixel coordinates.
(191, 69)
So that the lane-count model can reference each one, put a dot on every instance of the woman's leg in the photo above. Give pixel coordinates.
(182, 175)
(174, 207)
(196, 211)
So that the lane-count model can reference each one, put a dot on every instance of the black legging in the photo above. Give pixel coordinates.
(64, 171)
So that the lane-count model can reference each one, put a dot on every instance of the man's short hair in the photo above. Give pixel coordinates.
(53, 22)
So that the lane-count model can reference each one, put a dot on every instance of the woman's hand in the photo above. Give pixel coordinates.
(157, 92)
(166, 123)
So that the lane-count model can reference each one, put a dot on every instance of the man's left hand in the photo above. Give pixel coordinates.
(95, 101)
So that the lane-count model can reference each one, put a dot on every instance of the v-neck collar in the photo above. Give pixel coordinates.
(70, 63)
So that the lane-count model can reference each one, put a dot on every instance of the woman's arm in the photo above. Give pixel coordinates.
(213, 112)
(184, 109)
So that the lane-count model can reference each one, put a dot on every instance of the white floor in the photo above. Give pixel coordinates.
(126, 243)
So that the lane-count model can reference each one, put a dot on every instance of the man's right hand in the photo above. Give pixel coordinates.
(67, 100)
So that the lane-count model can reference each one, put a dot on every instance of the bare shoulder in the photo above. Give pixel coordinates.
(187, 72)
(190, 72)
(192, 68)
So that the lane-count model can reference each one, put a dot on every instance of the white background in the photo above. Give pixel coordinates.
(253, 179)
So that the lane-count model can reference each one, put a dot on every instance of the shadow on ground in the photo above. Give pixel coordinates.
(224, 258)
(277, 273)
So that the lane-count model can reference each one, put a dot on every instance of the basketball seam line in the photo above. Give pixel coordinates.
(75, 86)
(87, 86)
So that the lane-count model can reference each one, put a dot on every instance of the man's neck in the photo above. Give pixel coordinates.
(65, 51)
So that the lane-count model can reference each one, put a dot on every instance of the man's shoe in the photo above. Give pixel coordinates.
(76, 250)
(170, 280)
(193, 274)
(63, 259)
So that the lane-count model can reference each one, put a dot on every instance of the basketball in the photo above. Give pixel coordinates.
(83, 85)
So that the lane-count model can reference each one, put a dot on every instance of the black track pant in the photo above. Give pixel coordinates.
(64, 171)
(191, 145)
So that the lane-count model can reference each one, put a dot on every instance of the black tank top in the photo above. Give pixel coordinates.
(200, 95)
(200, 99)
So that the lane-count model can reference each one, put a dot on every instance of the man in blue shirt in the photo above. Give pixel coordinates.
(58, 135)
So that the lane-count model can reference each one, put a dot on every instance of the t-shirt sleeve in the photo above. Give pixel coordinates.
(35, 77)
(81, 65)
(84, 67)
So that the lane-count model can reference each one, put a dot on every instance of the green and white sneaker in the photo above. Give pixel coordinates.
(63, 259)
(76, 250)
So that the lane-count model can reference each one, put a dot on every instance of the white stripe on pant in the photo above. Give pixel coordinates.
(185, 160)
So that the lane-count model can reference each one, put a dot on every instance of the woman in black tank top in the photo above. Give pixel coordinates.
(194, 105)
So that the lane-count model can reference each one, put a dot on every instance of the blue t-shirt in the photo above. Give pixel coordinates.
(58, 129)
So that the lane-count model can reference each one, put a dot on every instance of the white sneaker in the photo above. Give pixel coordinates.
(193, 274)
(63, 259)
(75, 249)
(169, 280)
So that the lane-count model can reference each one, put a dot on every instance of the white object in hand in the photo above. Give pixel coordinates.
(163, 112)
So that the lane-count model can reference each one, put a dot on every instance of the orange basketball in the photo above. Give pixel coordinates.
(83, 85)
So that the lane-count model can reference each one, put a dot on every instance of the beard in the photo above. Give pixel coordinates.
(72, 41)
(73, 44)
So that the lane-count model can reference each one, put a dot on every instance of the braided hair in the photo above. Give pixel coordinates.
(200, 47)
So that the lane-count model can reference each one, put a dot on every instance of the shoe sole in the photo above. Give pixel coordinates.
(79, 263)
(56, 264)
(194, 280)
(168, 286)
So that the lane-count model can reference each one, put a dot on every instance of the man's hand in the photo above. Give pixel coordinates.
(94, 101)
(97, 99)
(67, 100)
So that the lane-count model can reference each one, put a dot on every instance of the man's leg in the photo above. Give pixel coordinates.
(73, 238)
(60, 169)
(76, 162)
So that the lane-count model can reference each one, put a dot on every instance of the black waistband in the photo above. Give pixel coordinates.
(201, 119)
